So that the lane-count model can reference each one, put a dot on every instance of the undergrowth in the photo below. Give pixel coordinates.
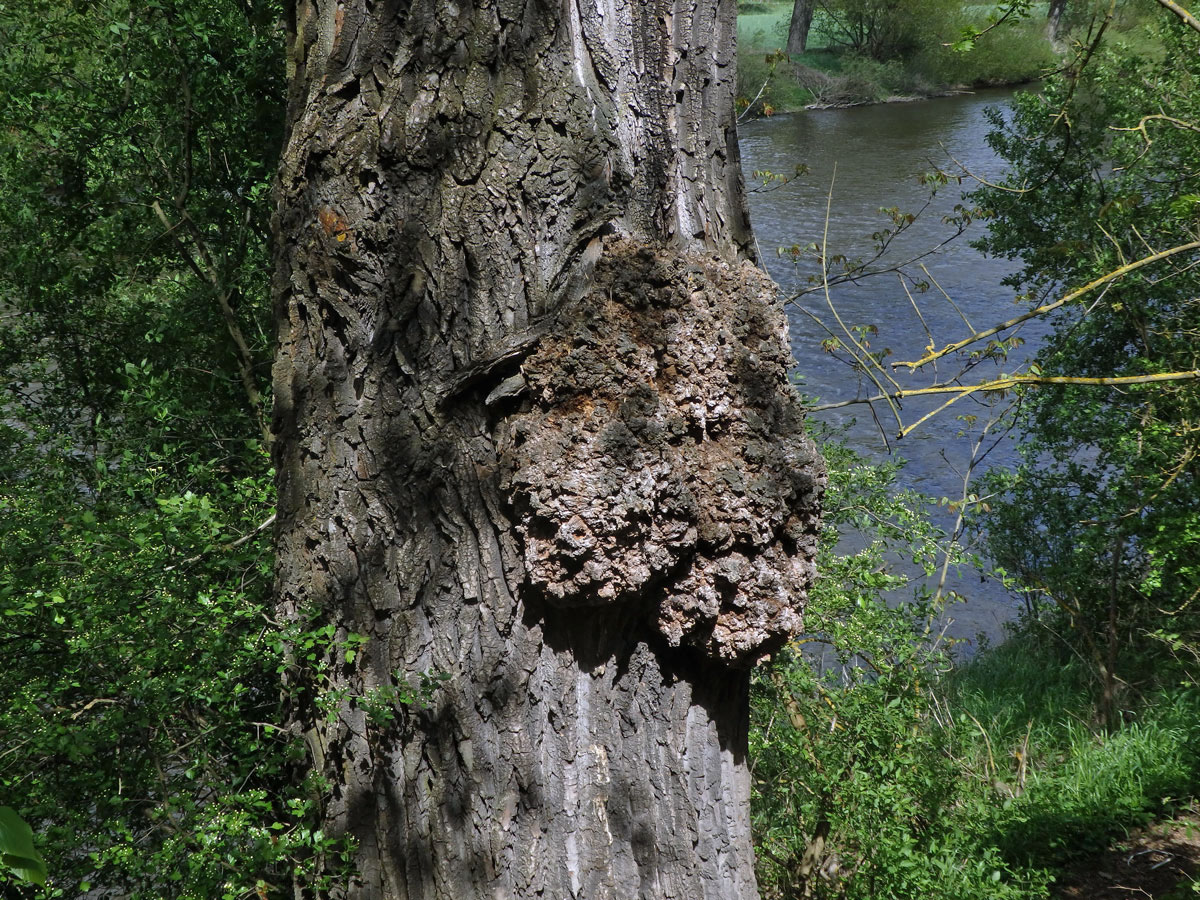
(884, 767)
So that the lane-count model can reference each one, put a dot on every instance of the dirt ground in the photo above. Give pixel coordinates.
(1158, 862)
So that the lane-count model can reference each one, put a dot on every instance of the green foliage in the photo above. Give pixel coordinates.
(766, 84)
(1066, 788)
(17, 853)
(1104, 786)
(879, 770)
(141, 682)
(883, 29)
(1100, 524)
(1013, 52)
(883, 768)
(106, 110)
(837, 72)
(143, 686)
(855, 80)
(856, 791)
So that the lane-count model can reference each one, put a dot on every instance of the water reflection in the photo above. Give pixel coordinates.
(872, 157)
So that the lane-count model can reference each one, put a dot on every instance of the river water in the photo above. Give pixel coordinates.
(871, 157)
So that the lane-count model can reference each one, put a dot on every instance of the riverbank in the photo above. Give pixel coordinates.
(827, 76)
(883, 767)
(952, 91)
(909, 775)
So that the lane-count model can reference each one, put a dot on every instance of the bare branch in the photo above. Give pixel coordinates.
(1047, 308)
(854, 347)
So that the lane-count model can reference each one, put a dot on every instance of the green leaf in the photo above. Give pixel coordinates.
(17, 852)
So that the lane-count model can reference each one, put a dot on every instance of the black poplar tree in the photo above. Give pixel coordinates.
(541, 473)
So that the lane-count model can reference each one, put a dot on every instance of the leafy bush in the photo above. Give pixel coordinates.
(766, 83)
(134, 485)
(1101, 521)
(884, 768)
(855, 788)
(1009, 54)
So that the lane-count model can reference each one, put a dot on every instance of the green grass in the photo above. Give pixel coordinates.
(764, 31)
(1068, 786)
(980, 782)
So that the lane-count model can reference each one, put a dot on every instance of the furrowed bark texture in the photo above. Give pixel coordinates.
(535, 440)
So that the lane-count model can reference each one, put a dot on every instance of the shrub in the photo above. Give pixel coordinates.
(883, 29)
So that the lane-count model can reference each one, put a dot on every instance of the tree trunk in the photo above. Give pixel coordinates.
(543, 494)
(1054, 19)
(802, 14)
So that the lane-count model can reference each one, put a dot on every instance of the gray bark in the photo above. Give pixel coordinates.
(535, 437)
(802, 15)
(1054, 19)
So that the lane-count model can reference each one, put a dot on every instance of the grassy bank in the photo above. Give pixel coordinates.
(1067, 786)
(828, 75)
(886, 765)
(988, 781)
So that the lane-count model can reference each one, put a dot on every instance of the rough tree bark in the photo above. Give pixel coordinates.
(802, 15)
(535, 438)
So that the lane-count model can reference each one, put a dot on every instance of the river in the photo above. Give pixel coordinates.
(871, 157)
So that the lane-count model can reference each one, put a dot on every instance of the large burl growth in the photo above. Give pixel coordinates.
(661, 462)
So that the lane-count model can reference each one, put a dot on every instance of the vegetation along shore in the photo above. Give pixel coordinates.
(404, 494)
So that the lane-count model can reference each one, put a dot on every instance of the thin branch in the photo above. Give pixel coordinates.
(1183, 14)
(861, 269)
(245, 359)
(1140, 127)
(1008, 382)
(854, 344)
(1000, 384)
(1013, 9)
(949, 299)
(1049, 307)
(976, 458)
(917, 310)
(773, 63)
(232, 545)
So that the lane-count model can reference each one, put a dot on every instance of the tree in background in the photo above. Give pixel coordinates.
(799, 24)
(538, 459)
(1054, 18)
